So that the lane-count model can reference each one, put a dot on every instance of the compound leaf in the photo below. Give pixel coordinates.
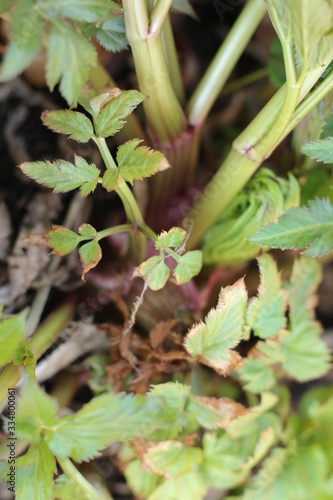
(63, 176)
(266, 313)
(112, 34)
(75, 124)
(112, 116)
(305, 227)
(222, 330)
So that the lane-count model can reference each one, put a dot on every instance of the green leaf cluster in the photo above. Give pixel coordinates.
(262, 200)
(170, 244)
(295, 345)
(66, 27)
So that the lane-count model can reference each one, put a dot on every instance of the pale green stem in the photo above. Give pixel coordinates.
(131, 207)
(225, 60)
(172, 60)
(158, 16)
(74, 476)
(165, 116)
(242, 82)
(253, 146)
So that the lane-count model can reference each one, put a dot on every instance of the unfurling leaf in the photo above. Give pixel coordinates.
(112, 116)
(321, 150)
(170, 239)
(261, 201)
(309, 228)
(188, 266)
(266, 313)
(222, 330)
(63, 241)
(63, 176)
(12, 330)
(75, 124)
(90, 255)
(138, 162)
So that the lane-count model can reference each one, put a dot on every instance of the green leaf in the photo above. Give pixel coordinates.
(112, 117)
(136, 163)
(110, 179)
(65, 489)
(187, 487)
(280, 475)
(77, 125)
(90, 255)
(78, 10)
(321, 150)
(36, 411)
(142, 483)
(70, 58)
(257, 375)
(104, 420)
(26, 39)
(63, 241)
(214, 413)
(12, 330)
(172, 459)
(305, 227)
(155, 271)
(275, 64)
(88, 231)
(63, 176)
(266, 313)
(35, 471)
(112, 34)
(170, 239)
(222, 330)
(188, 266)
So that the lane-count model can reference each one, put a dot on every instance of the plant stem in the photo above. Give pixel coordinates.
(158, 16)
(223, 63)
(76, 477)
(244, 81)
(131, 207)
(110, 231)
(172, 60)
(164, 114)
(251, 148)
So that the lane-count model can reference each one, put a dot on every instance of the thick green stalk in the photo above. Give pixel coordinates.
(131, 207)
(253, 146)
(165, 116)
(172, 60)
(223, 63)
